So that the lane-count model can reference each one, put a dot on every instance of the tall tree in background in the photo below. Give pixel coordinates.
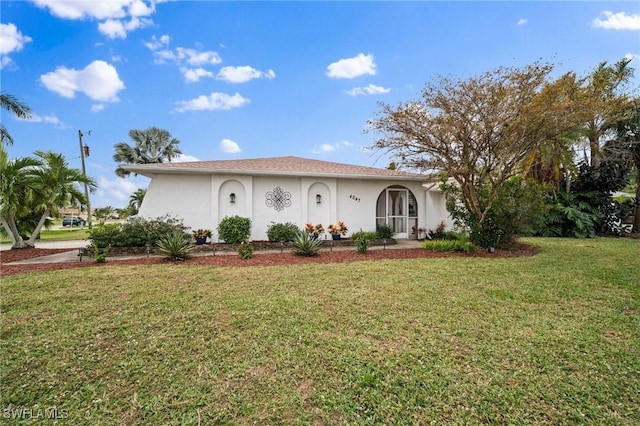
(627, 145)
(603, 97)
(135, 199)
(477, 131)
(152, 145)
(21, 110)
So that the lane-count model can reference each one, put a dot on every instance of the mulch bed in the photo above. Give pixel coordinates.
(258, 259)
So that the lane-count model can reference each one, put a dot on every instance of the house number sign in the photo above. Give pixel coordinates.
(278, 199)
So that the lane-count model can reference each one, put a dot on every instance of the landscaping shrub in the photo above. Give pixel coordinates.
(136, 232)
(282, 232)
(449, 245)
(100, 254)
(234, 229)
(245, 250)
(362, 245)
(441, 233)
(175, 245)
(306, 245)
(384, 231)
(367, 235)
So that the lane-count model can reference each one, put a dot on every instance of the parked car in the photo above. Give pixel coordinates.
(73, 221)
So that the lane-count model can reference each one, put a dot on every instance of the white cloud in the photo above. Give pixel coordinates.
(47, 119)
(157, 43)
(11, 40)
(325, 147)
(352, 67)
(116, 192)
(192, 75)
(98, 80)
(522, 21)
(215, 100)
(97, 107)
(229, 147)
(112, 15)
(617, 21)
(371, 89)
(184, 158)
(182, 55)
(114, 28)
(243, 74)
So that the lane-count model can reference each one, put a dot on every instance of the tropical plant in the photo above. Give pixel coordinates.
(367, 235)
(175, 245)
(245, 250)
(282, 231)
(306, 245)
(136, 232)
(234, 229)
(37, 187)
(202, 233)
(362, 244)
(338, 229)
(384, 231)
(135, 199)
(152, 145)
(19, 109)
(103, 213)
(314, 230)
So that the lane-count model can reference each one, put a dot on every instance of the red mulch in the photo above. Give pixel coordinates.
(258, 259)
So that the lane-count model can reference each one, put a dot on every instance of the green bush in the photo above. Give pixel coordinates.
(136, 232)
(282, 231)
(364, 235)
(234, 229)
(175, 245)
(384, 231)
(306, 245)
(99, 254)
(245, 250)
(362, 245)
(449, 245)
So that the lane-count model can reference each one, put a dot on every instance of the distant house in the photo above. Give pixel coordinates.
(292, 189)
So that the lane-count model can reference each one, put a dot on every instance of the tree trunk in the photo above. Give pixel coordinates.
(9, 224)
(36, 232)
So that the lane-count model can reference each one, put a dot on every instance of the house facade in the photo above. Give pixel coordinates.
(292, 189)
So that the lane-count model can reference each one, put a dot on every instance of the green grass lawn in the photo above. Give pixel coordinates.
(74, 233)
(552, 339)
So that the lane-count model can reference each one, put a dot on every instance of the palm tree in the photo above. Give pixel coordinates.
(152, 145)
(11, 103)
(16, 193)
(135, 200)
(56, 185)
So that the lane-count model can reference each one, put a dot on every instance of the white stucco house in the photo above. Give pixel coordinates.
(292, 189)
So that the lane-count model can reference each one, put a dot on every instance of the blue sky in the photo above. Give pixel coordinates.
(240, 79)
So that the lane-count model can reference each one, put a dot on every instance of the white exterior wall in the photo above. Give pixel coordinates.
(203, 200)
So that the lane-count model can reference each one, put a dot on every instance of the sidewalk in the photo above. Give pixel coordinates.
(74, 245)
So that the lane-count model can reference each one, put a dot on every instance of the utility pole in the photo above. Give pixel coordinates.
(84, 151)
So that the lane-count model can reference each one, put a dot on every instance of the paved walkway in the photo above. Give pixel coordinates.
(74, 245)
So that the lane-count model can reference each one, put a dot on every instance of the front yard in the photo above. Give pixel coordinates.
(550, 339)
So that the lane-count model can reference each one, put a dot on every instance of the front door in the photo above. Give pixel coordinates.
(397, 211)
(397, 208)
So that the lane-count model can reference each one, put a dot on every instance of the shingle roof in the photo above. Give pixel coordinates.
(291, 166)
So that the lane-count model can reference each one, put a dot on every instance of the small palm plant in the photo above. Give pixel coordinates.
(175, 245)
(306, 245)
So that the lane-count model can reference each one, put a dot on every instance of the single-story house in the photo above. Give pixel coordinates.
(292, 189)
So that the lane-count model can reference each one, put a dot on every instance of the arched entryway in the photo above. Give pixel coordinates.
(398, 208)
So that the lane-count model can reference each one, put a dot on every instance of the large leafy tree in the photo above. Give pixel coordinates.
(152, 145)
(21, 110)
(477, 131)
